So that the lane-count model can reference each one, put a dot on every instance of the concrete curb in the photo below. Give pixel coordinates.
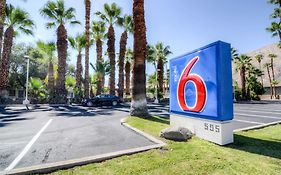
(258, 126)
(51, 167)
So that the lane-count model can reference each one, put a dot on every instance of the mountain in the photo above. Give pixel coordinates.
(265, 51)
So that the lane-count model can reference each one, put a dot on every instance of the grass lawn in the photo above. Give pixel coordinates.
(254, 152)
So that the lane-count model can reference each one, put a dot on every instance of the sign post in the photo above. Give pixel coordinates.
(201, 92)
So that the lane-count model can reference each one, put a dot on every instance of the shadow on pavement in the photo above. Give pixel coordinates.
(8, 116)
(257, 146)
(76, 111)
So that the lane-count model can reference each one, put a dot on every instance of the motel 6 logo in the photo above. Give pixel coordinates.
(199, 84)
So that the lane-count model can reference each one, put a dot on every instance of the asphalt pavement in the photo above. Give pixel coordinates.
(48, 134)
(51, 134)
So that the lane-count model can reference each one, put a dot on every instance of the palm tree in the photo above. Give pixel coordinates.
(259, 58)
(48, 50)
(87, 46)
(98, 32)
(128, 61)
(267, 66)
(275, 27)
(272, 57)
(127, 24)
(111, 16)
(2, 20)
(78, 43)
(242, 62)
(102, 69)
(17, 21)
(158, 56)
(59, 16)
(234, 54)
(139, 103)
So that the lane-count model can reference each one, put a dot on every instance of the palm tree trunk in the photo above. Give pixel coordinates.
(111, 55)
(270, 81)
(160, 78)
(2, 20)
(87, 46)
(78, 73)
(4, 69)
(100, 77)
(243, 81)
(128, 75)
(273, 78)
(139, 103)
(123, 44)
(51, 80)
(261, 75)
(61, 94)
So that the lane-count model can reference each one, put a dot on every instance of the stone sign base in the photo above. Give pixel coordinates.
(215, 131)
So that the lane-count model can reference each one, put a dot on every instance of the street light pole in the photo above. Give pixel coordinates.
(26, 101)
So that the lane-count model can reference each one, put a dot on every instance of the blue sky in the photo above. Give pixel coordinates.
(183, 24)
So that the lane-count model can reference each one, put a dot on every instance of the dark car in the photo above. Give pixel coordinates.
(103, 100)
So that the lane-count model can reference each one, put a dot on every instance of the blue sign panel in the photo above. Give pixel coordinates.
(201, 83)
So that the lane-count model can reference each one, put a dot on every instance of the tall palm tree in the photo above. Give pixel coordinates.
(98, 32)
(48, 50)
(59, 16)
(17, 21)
(78, 43)
(111, 16)
(127, 24)
(242, 62)
(128, 62)
(267, 66)
(139, 103)
(2, 20)
(259, 58)
(272, 57)
(158, 56)
(87, 46)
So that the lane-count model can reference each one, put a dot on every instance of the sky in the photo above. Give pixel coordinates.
(184, 25)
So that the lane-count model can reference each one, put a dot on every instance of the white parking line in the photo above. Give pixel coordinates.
(266, 112)
(253, 115)
(246, 121)
(27, 147)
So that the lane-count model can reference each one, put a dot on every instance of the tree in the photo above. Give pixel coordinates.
(17, 21)
(111, 16)
(127, 24)
(267, 66)
(78, 43)
(36, 89)
(234, 54)
(101, 69)
(48, 50)
(98, 32)
(59, 16)
(272, 57)
(275, 27)
(139, 103)
(259, 58)
(128, 62)
(157, 55)
(2, 20)
(87, 46)
(242, 62)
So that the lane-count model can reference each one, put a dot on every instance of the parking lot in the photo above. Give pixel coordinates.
(52, 134)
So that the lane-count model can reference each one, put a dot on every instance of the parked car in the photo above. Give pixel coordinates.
(102, 100)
